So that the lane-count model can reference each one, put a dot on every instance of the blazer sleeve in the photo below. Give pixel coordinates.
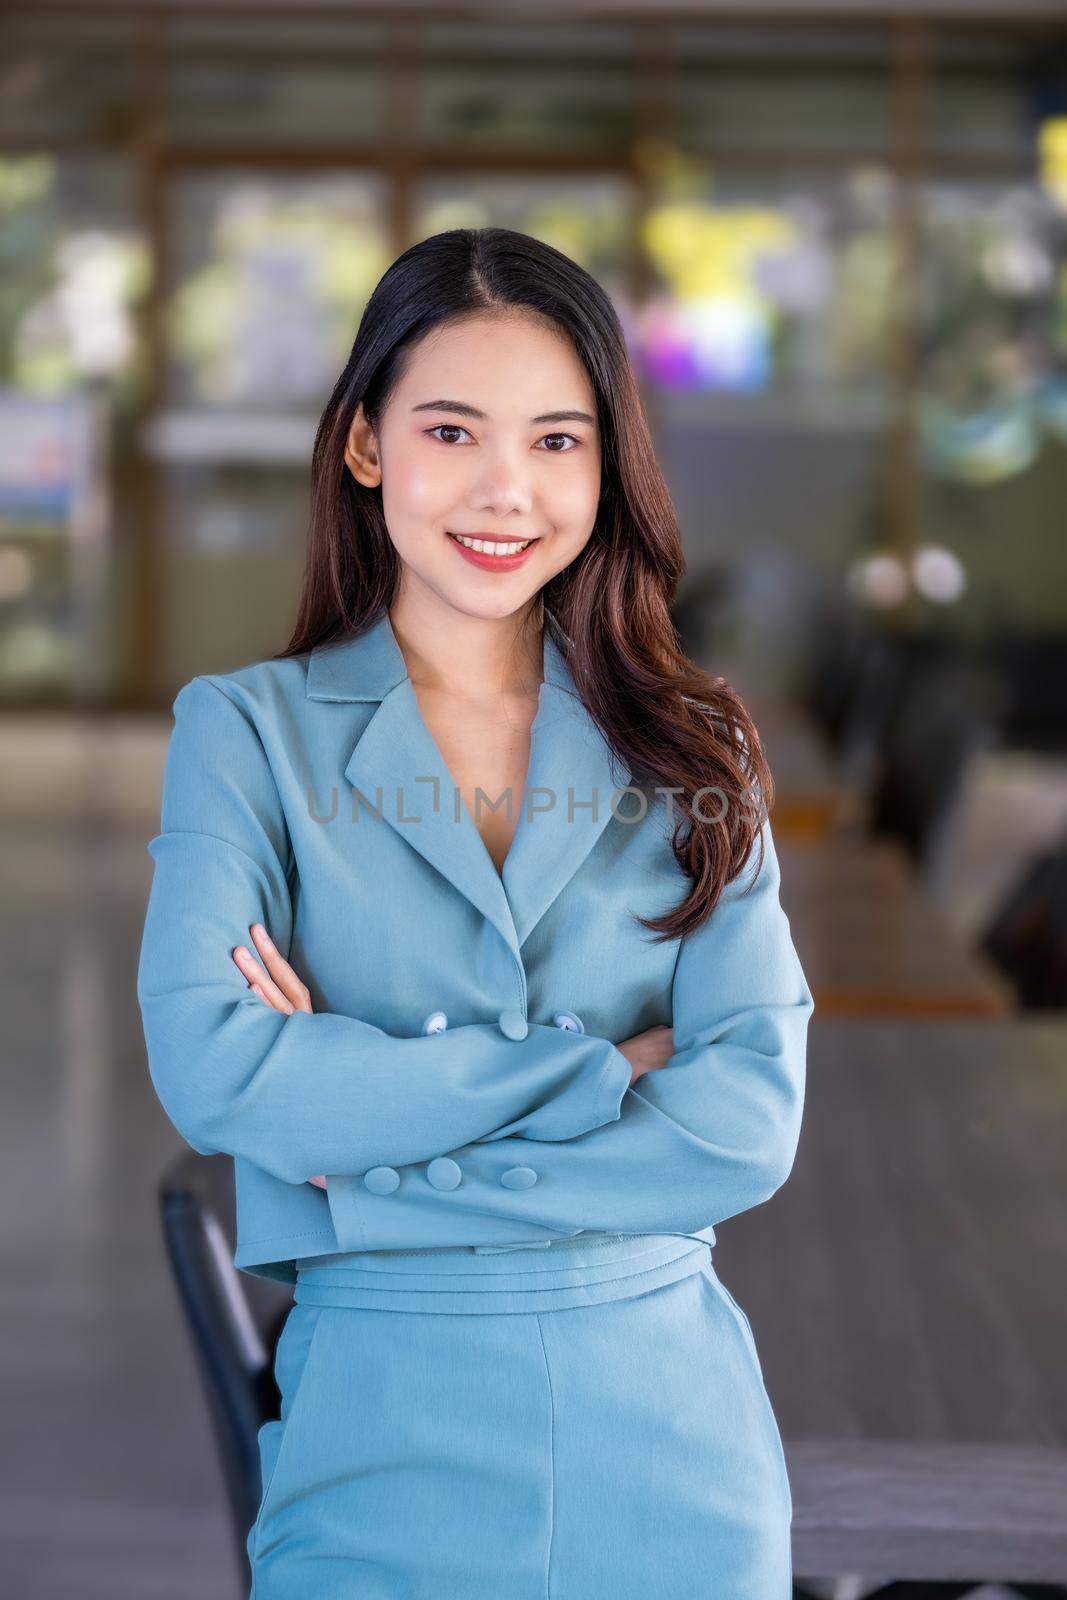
(306, 1094)
(711, 1134)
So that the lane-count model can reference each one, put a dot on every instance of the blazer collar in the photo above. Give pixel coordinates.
(399, 771)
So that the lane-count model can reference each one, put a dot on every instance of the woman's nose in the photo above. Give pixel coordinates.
(503, 485)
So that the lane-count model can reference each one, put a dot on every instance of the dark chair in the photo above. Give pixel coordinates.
(697, 610)
(234, 1320)
(1034, 670)
(837, 643)
(879, 680)
(1027, 934)
(947, 713)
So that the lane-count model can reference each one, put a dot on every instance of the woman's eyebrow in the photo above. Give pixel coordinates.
(479, 416)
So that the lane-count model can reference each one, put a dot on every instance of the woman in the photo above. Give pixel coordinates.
(465, 942)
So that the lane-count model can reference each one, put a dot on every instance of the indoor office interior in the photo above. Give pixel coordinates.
(836, 238)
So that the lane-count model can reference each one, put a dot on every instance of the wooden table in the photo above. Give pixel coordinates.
(906, 1288)
(872, 942)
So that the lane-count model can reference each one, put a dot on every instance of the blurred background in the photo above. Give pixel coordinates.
(837, 240)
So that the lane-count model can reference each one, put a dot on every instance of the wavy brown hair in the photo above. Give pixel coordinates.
(676, 727)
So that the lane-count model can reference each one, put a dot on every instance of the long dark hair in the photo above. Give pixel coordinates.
(674, 725)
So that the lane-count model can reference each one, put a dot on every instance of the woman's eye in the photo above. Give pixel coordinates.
(449, 427)
(569, 436)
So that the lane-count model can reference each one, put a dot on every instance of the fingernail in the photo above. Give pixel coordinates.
(242, 952)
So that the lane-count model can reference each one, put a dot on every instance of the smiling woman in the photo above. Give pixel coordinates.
(490, 1081)
(494, 481)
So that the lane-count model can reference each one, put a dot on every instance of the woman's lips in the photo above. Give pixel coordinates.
(490, 563)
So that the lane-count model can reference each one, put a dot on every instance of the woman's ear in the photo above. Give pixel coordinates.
(361, 451)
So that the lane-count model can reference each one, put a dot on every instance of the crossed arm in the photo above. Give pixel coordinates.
(709, 1129)
(278, 986)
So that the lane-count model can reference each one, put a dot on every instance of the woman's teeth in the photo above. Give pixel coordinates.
(510, 548)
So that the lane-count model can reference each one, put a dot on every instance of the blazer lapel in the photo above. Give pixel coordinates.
(570, 782)
(399, 772)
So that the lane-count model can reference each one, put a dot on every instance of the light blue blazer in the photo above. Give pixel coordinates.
(459, 1081)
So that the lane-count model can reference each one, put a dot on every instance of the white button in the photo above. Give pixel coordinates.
(436, 1022)
(381, 1180)
(444, 1173)
(567, 1019)
(518, 1178)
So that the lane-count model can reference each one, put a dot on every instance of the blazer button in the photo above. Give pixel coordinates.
(381, 1180)
(518, 1178)
(567, 1019)
(436, 1022)
(513, 1024)
(444, 1173)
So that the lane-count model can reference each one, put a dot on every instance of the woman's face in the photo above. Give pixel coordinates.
(491, 434)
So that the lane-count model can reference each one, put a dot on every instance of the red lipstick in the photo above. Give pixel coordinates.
(490, 563)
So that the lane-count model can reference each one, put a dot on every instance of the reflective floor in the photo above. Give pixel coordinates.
(110, 1490)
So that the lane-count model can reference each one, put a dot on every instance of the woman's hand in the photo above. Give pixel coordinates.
(281, 990)
(648, 1051)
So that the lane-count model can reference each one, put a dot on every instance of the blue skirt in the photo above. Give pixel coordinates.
(581, 1422)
